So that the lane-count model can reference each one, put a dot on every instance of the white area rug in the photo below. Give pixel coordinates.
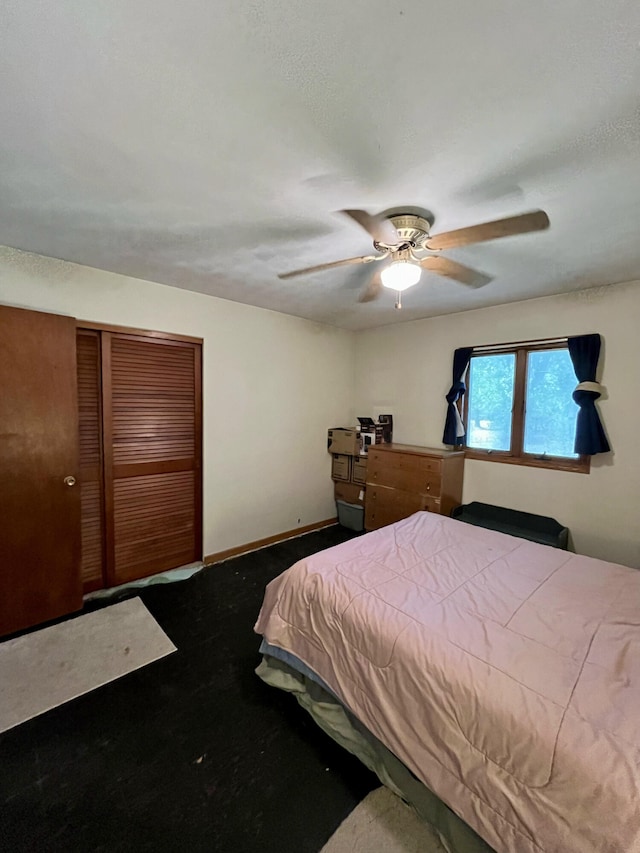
(382, 823)
(41, 670)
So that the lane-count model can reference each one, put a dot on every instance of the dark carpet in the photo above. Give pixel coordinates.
(192, 752)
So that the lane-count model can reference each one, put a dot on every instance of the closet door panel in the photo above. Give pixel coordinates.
(92, 536)
(91, 487)
(153, 523)
(152, 463)
(153, 408)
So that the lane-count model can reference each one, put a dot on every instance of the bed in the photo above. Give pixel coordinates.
(502, 675)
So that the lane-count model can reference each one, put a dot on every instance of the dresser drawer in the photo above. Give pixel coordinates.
(404, 461)
(385, 506)
(409, 480)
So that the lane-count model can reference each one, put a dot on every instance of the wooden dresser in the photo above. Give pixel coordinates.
(403, 479)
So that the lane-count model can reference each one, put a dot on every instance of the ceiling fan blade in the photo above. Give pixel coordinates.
(382, 230)
(364, 259)
(452, 269)
(372, 290)
(537, 220)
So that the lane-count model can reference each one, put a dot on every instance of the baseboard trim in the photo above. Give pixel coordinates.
(220, 556)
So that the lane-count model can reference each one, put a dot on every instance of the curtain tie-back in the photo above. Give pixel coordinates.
(456, 391)
(596, 387)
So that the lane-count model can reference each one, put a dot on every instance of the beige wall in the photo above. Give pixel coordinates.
(406, 369)
(273, 384)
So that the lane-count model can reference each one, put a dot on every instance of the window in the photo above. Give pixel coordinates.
(518, 407)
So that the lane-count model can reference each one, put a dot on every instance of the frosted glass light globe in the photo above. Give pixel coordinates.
(400, 275)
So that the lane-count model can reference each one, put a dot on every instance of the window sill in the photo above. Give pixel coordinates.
(575, 466)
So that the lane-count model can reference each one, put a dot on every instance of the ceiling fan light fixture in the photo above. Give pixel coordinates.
(400, 275)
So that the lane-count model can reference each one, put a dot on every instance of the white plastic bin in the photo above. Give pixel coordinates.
(350, 515)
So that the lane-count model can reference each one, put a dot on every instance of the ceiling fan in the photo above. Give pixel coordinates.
(405, 241)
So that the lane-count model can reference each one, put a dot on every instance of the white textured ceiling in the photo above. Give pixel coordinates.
(207, 143)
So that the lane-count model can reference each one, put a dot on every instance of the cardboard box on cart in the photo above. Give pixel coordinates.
(341, 467)
(359, 470)
(343, 440)
(351, 493)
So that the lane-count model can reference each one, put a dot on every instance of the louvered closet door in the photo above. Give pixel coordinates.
(152, 454)
(91, 484)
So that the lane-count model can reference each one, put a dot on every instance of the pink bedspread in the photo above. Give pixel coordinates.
(505, 674)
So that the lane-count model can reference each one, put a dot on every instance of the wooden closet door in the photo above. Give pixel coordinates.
(39, 498)
(152, 464)
(91, 481)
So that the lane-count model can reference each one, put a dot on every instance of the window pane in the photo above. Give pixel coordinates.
(491, 380)
(550, 419)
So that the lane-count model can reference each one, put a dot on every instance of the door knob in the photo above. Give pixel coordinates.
(69, 481)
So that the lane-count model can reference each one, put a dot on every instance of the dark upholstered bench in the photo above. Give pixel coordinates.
(537, 528)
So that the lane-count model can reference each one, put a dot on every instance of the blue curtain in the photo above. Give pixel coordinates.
(453, 427)
(590, 438)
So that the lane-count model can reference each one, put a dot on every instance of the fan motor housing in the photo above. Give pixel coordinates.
(411, 228)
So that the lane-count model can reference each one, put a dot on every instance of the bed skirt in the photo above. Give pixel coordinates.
(287, 673)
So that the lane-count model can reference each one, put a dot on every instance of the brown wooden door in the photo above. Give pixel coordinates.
(39, 512)
(91, 480)
(152, 449)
